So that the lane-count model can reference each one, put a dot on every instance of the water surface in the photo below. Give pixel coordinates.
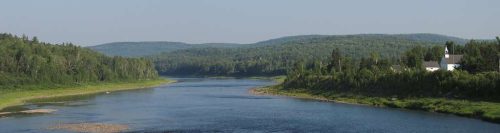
(224, 105)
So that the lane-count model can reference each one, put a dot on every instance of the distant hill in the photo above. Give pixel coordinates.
(137, 49)
(288, 39)
(420, 37)
(436, 38)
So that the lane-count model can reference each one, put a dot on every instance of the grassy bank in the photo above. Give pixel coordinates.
(19, 96)
(488, 111)
(277, 79)
(280, 78)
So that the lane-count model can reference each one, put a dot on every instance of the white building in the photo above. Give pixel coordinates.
(448, 62)
(431, 66)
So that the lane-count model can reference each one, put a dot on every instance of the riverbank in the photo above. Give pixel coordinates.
(280, 78)
(488, 111)
(18, 97)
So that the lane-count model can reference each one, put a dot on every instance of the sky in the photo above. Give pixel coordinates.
(92, 22)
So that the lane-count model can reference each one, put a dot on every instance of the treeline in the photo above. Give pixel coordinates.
(477, 79)
(25, 61)
(481, 56)
(413, 58)
(276, 58)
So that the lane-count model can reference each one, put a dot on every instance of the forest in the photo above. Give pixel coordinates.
(147, 48)
(277, 56)
(140, 49)
(477, 79)
(28, 62)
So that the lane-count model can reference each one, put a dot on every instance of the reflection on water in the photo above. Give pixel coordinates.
(224, 105)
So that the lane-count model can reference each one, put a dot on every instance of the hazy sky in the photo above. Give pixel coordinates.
(91, 22)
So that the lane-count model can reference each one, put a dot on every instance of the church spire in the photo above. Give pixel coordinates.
(446, 54)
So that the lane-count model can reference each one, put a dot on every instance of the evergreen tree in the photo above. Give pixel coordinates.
(25, 62)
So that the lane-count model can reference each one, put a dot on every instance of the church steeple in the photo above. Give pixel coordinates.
(446, 54)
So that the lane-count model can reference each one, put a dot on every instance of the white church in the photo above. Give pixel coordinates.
(448, 62)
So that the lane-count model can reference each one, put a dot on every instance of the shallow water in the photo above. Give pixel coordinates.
(224, 105)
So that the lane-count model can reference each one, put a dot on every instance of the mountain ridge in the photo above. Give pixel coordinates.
(145, 48)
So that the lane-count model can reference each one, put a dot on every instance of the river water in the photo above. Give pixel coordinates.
(224, 105)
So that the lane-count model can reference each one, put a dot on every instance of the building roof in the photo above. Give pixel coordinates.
(454, 59)
(431, 64)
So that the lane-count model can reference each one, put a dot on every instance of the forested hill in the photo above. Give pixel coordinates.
(421, 37)
(433, 38)
(137, 49)
(275, 57)
(28, 62)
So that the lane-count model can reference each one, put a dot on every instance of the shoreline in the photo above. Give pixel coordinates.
(486, 111)
(11, 98)
(266, 91)
(274, 77)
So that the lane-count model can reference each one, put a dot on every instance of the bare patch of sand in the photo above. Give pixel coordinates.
(91, 127)
(39, 111)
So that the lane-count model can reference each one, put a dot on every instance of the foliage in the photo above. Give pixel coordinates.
(139, 49)
(481, 56)
(25, 62)
(374, 77)
(277, 56)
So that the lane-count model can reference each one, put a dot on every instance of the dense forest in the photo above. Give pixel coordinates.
(277, 56)
(146, 48)
(139, 49)
(478, 77)
(25, 62)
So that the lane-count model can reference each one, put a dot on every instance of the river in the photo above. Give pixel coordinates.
(224, 105)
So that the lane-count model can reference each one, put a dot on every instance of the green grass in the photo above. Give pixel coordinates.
(278, 79)
(13, 97)
(489, 111)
